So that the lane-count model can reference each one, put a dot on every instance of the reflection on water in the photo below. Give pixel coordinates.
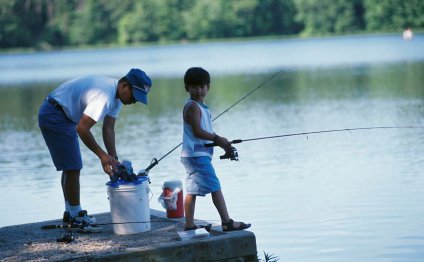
(329, 197)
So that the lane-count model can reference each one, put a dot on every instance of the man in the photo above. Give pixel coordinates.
(71, 110)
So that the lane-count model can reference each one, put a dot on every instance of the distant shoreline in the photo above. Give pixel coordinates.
(48, 48)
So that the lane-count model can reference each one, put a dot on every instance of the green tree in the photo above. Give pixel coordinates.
(327, 16)
(45, 23)
(56, 31)
(88, 23)
(10, 35)
(392, 15)
(275, 17)
(152, 20)
(220, 18)
(200, 21)
(22, 22)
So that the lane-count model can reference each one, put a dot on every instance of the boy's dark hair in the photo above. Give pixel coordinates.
(196, 76)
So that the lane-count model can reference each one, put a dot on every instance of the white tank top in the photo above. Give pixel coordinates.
(193, 146)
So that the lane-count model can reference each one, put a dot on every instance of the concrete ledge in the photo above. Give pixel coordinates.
(30, 242)
(234, 246)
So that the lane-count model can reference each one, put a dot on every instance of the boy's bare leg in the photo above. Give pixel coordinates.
(189, 205)
(219, 202)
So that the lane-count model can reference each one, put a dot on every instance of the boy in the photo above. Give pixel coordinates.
(196, 158)
(69, 112)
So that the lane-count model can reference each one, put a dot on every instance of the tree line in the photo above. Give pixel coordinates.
(59, 23)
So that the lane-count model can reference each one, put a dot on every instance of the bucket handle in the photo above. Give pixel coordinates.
(151, 193)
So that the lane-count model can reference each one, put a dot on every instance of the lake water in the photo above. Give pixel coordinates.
(346, 196)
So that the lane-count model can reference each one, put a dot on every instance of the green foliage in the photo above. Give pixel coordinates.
(327, 16)
(392, 15)
(46, 23)
(17, 25)
(94, 22)
(152, 20)
(281, 20)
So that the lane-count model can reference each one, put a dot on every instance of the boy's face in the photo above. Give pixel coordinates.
(198, 92)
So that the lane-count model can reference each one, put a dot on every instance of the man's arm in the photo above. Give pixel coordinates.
(109, 135)
(83, 130)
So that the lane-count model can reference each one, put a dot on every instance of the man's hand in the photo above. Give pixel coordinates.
(108, 163)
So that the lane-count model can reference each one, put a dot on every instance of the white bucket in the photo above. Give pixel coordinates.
(129, 203)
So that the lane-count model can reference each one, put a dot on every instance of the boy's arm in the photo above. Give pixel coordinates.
(193, 116)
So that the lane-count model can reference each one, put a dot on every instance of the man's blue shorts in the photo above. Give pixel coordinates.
(201, 178)
(61, 137)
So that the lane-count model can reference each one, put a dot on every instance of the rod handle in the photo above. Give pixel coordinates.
(154, 163)
(55, 226)
(49, 227)
(235, 141)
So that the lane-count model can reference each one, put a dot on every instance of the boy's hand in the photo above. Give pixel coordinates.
(222, 142)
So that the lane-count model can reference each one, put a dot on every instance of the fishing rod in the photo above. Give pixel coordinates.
(156, 161)
(68, 236)
(233, 155)
(70, 225)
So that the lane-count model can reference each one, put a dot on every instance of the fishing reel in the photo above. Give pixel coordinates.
(67, 237)
(145, 172)
(230, 154)
(124, 171)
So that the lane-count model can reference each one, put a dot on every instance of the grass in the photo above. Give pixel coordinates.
(269, 258)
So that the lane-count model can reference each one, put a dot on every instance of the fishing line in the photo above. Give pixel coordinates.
(156, 161)
(232, 154)
(236, 141)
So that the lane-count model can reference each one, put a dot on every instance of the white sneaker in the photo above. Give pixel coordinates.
(85, 223)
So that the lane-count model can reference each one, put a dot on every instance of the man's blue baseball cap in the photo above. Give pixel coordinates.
(141, 84)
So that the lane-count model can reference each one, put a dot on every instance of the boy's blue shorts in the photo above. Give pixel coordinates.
(201, 178)
(61, 137)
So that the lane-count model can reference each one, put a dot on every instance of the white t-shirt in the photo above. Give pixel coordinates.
(193, 146)
(94, 96)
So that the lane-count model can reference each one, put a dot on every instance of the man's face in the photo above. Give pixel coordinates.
(127, 97)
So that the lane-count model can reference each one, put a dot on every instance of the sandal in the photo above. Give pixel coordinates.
(229, 226)
(206, 227)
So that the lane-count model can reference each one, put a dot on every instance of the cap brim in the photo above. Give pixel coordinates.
(140, 95)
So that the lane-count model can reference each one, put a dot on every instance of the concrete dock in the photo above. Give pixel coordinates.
(29, 242)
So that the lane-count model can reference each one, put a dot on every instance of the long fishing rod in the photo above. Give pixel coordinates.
(68, 235)
(232, 155)
(70, 225)
(156, 161)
